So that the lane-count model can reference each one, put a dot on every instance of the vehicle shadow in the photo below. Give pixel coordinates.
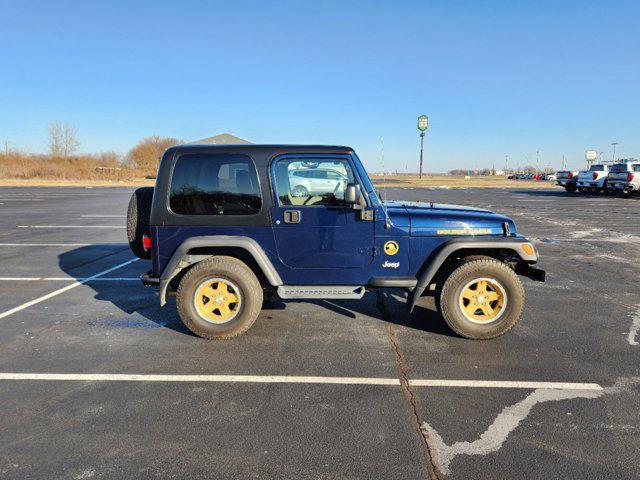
(390, 306)
(129, 296)
(547, 193)
(133, 300)
(562, 193)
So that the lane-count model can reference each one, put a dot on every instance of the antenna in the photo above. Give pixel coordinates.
(384, 173)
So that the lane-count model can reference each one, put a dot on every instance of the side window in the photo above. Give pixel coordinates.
(214, 184)
(636, 167)
(307, 183)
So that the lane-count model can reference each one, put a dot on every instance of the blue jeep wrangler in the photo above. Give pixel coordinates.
(227, 225)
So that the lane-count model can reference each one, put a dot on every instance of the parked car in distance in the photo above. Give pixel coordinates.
(593, 180)
(624, 178)
(567, 179)
(550, 177)
(314, 181)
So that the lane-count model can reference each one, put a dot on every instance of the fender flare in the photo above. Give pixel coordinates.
(477, 243)
(181, 259)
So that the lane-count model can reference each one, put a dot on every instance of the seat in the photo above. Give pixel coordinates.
(243, 182)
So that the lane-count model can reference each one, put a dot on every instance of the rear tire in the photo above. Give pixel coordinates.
(219, 298)
(570, 188)
(490, 286)
(138, 219)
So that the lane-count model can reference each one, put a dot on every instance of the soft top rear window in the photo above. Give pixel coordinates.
(215, 184)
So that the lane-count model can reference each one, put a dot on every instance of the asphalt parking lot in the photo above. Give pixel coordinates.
(382, 403)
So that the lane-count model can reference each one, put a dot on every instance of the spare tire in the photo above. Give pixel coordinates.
(138, 219)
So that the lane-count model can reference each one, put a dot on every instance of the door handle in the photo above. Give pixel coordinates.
(292, 216)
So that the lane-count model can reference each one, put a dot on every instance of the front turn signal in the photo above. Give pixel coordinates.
(528, 248)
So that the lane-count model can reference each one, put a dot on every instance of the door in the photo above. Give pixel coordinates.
(313, 226)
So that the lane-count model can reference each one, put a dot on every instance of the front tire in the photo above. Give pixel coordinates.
(481, 299)
(219, 298)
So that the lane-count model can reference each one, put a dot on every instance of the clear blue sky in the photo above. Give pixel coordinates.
(495, 77)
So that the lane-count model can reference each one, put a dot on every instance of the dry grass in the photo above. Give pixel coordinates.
(135, 182)
(451, 181)
(20, 168)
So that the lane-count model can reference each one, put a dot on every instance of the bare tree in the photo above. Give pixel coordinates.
(147, 153)
(63, 140)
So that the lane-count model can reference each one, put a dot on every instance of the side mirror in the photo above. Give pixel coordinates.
(351, 194)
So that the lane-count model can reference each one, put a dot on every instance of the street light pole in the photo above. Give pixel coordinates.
(423, 124)
(614, 150)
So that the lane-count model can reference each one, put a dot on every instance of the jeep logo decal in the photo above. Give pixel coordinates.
(389, 264)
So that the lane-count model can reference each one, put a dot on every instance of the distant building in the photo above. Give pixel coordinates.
(222, 139)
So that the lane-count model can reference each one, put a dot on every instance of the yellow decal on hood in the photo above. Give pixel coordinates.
(465, 231)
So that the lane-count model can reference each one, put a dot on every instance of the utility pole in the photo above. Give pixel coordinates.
(564, 162)
(384, 174)
(614, 150)
(537, 161)
(423, 124)
(506, 163)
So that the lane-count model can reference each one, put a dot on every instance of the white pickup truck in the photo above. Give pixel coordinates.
(624, 178)
(593, 180)
(567, 179)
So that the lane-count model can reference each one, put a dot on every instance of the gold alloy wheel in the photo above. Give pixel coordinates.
(217, 300)
(483, 300)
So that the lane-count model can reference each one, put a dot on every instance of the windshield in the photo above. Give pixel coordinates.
(596, 168)
(366, 181)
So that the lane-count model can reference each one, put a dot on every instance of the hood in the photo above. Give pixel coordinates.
(432, 219)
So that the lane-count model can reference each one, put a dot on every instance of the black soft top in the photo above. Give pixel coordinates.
(258, 152)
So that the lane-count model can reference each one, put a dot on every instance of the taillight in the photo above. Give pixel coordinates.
(570, 174)
(595, 175)
(146, 242)
(629, 177)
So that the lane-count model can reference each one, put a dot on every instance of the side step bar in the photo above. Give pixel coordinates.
(320, 291)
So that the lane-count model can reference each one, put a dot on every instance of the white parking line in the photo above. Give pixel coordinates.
(67, 279)
(64, 289)
(123, 377)
(505, 384)
(62, 244)
(71, 226)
